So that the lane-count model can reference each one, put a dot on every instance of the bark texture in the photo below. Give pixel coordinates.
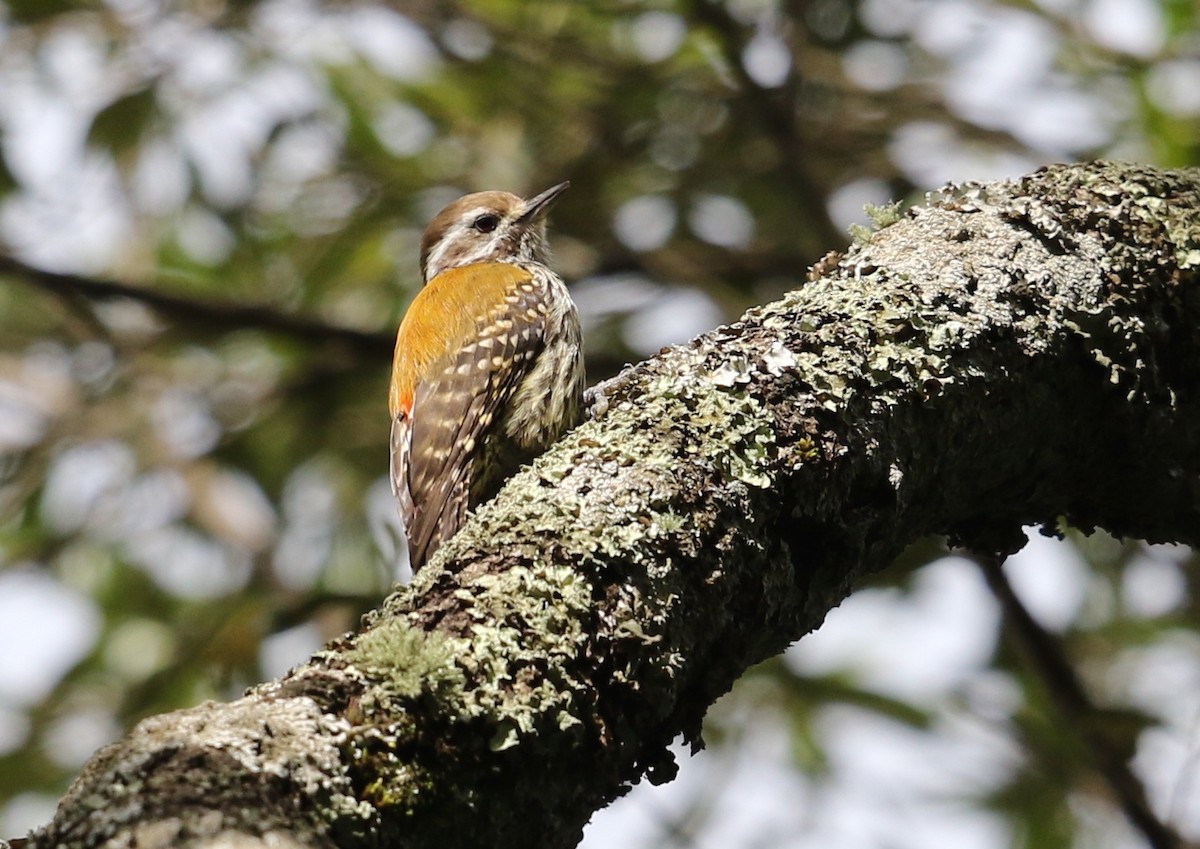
(1006, 354)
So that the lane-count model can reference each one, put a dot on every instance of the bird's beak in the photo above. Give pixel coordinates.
(537, 205)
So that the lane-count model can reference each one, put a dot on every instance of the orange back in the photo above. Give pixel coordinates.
(442, 318)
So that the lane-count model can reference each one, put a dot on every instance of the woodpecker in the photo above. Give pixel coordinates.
(488, 367)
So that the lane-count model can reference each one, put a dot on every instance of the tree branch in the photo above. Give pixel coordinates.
(1044, 656)
(192, 312)
(1008, 354)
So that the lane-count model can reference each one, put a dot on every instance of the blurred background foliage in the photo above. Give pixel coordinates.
(230, 195)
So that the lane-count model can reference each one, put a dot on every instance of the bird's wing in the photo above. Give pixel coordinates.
(440, 423)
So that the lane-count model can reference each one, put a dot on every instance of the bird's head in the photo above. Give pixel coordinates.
(486, 226)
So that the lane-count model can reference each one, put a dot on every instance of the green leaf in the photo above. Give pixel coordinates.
(120, 126)
(32, 11)
(8, 182)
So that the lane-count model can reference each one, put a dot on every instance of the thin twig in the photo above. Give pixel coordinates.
(1047, 660)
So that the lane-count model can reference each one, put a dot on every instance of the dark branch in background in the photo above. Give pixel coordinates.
(1043, 655)
(223, 316)
(78, 292)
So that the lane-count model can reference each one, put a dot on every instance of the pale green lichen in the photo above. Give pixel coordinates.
(884, 215)
(668, 522)
(523, 617)
(860, 234)
(1183, 230)
(736, 428)
(407, 660)
(525, 623)
(881, 217)
(778, 359)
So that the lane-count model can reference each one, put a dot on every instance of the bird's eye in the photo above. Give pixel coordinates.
(486, 223)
